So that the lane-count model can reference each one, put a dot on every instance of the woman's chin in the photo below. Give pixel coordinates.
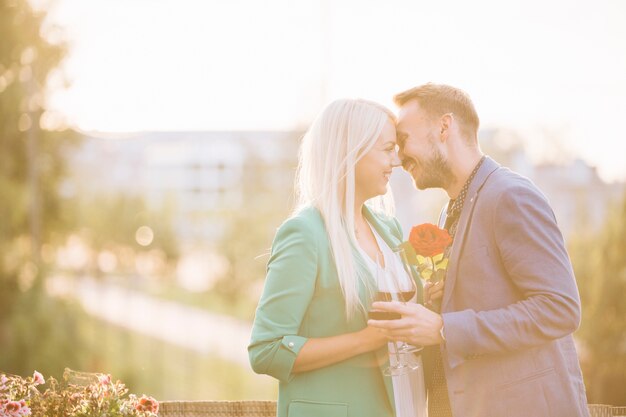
(382, 191)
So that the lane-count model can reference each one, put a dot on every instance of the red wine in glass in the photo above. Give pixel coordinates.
(394, 282)
(404, 296)
(387, 296)
(383, 315)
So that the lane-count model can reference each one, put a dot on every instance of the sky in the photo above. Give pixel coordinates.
(550, 69)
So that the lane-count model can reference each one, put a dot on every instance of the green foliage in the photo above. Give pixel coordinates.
(26, 60)
(36, 331)
(107, 221)
(31, 325)
(40, 332)
(600, 267)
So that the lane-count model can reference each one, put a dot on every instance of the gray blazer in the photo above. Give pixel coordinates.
(510, 306)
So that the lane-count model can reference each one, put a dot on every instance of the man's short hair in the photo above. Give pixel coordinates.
(439, 99)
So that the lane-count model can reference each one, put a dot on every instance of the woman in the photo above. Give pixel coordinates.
(310, 330)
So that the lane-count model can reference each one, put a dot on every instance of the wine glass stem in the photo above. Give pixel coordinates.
(397, 353)
(404, 345)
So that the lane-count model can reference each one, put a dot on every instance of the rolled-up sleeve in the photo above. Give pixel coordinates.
(289, 286)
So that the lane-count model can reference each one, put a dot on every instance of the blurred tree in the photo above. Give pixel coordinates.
(32, 162)
(600, 267)
(267, 198)
(109, 222)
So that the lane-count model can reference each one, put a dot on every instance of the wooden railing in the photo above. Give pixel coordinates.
(268, 409)
(217, 409)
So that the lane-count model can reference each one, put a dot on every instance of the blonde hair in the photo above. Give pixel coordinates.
(338, 138)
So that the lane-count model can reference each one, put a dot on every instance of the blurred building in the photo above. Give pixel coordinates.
(579, 197)
(201, 175)
(195, 175)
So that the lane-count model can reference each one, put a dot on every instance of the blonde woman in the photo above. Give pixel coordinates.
(310, 330)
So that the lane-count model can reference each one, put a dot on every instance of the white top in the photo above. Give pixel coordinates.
(409, 389)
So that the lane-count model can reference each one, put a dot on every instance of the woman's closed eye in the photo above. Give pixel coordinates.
(392, 147)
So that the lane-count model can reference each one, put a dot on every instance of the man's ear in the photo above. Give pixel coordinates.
(445, 124)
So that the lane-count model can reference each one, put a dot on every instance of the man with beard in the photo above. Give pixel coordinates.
(501, 344)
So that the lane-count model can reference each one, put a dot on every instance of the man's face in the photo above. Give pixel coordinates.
(420, 150)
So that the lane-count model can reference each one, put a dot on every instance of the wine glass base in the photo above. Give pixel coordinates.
(403, 369)
(405, 348)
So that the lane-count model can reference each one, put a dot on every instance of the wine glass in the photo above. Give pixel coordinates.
(391, 286)
(406, 284)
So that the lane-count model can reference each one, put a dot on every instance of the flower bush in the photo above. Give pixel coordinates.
(78, 395)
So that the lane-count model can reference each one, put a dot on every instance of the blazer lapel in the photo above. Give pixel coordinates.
(381, 228)
(488, 167)
(393, 242)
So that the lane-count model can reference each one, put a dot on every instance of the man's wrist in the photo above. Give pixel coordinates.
(441, 331)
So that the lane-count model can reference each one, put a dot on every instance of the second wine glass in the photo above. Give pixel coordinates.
(406, 284)
(394, 285)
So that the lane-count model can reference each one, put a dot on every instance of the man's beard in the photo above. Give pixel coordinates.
(433, 172)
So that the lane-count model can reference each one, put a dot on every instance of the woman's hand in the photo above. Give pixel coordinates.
(418, 326)
(372, 338)
(320, 352)
(433, 291)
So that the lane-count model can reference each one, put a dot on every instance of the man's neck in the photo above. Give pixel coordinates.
(464, 168)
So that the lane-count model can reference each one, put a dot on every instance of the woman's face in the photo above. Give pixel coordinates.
(372, 172)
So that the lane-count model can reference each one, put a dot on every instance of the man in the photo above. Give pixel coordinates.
(502, 345)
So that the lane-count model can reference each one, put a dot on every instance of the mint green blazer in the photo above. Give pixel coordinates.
(302, 299)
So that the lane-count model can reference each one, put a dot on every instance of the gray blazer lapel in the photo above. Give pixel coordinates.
(488, 167)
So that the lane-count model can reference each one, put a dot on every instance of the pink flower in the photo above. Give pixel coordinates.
(38, 378)
(14, 409)
(104, 379)
(147, 404)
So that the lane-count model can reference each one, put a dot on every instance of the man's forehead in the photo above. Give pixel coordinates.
(409, 110)
(401, 138)
(401, 131)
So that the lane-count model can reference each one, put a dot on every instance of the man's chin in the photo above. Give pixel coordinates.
(423, 185)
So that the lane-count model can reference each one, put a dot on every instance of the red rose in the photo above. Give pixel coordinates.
(429, 240)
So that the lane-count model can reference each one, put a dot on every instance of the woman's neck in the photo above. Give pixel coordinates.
(358, 213)
(365, 236)
(359, 219)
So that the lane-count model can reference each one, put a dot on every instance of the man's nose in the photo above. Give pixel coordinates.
(400, 153)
